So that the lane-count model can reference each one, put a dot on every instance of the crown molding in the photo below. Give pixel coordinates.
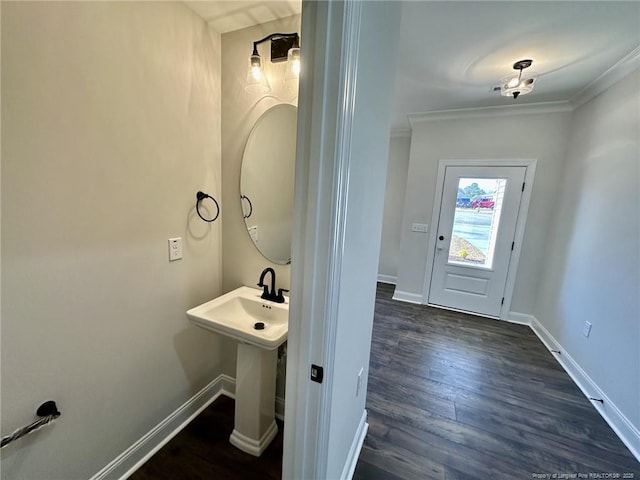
(499, 111)
(617, 72)
(400, 133)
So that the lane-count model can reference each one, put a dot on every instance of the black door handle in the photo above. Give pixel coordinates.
(441, 237)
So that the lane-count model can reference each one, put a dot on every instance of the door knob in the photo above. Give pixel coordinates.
(441, 237)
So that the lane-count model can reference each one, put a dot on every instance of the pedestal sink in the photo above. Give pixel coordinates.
(260, 327)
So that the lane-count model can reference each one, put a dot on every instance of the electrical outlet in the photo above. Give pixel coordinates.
(359, 382)
(587, 329)
(419, 227)
(175, 249)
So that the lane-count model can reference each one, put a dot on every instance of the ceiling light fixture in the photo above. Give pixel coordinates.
(284, 47)
(515, 86)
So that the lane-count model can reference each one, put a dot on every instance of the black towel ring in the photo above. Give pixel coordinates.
(201, 196)
(244, 197)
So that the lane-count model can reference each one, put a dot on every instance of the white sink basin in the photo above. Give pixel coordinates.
(236, 313)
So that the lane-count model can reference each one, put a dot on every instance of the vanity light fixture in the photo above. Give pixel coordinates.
(284, 47)
(514, 86)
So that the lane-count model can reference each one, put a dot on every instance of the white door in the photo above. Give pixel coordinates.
(475, 235)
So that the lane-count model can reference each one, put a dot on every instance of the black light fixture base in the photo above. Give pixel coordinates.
(281, 43)
(280, 46)
(522, 64)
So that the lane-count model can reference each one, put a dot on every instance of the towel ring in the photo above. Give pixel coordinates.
(244, 197)
(201, 196)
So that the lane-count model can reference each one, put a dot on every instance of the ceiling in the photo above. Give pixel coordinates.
(227, 16)
(452, 53)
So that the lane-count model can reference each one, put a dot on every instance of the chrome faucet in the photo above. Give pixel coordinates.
(271, 295)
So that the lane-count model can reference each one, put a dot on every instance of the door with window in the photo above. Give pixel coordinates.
(475, 237)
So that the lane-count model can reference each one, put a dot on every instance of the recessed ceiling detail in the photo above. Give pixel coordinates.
(451, 53)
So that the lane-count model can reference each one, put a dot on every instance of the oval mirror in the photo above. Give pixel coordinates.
(266, 182)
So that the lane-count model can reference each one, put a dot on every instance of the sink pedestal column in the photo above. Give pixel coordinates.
(255, 425)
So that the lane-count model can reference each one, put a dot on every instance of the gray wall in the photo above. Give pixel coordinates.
(538, 136)
(397, 167)
(591, 266)
(110, 124)
(242, 262)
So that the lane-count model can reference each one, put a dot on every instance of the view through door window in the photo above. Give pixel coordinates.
(476, 221)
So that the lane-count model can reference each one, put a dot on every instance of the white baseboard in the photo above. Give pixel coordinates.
(133, 457)
(387, 279)
(407, 297)
(137, 454)
(356, 447)
(620, 424)
(520, 318)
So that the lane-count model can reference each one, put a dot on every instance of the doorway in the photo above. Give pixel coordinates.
(478, 220)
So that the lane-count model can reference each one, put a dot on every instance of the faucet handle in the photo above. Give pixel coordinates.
(280, 297)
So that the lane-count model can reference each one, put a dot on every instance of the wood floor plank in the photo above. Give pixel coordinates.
(517, 412)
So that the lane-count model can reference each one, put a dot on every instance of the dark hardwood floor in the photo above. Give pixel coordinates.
(450, 396)
(454, 396)
(202, 452)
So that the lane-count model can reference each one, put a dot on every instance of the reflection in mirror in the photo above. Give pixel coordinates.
(266, 182)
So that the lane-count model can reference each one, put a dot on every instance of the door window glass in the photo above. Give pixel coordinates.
(476, 221)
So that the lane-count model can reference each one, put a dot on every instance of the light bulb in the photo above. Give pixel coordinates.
(256, 79)
(295, 67)
(513, 82)
(293, 60)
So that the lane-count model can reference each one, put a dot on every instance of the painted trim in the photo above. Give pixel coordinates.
(617, 72)
(390, 279)
(521, 222)
(339, 197)
(400, 133)
(125, 464)
(499, 111)
(618, 422)
(520, 318)
(137, 454)
(356, 448)
(518, 237)
(407, 297)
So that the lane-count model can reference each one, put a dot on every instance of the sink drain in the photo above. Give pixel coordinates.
(258, 325)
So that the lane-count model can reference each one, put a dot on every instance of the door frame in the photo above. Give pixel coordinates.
(530, 165)
(334, 103)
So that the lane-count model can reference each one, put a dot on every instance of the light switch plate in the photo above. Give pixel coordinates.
(175, 249)
(419, 227)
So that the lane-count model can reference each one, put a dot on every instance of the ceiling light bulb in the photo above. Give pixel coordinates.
(513, 82)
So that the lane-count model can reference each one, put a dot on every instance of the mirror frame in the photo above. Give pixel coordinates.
(267, 182)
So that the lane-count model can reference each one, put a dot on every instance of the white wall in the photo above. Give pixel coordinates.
(364, 203)
(110, 124)
(242, 262)
(397, 168)
(537, 136)
(591, 266)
